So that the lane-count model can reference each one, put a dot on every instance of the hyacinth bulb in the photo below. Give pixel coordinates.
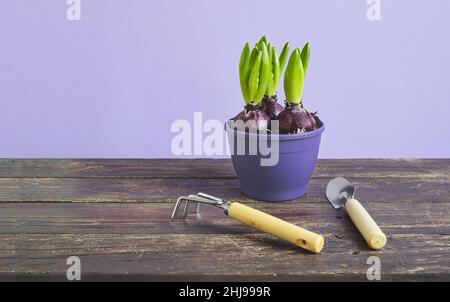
(296, 119)
(254, 119)
(271, 107)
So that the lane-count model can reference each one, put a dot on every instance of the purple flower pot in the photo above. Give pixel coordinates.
(287, 179)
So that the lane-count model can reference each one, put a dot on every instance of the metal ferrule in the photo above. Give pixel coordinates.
(226, 207)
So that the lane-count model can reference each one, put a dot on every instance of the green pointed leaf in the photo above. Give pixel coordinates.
(243, 71)
(261, 41)
(283, 55)
(294, 78)
(306, 52)
(254, 77)
(274, 79)
(269, 53)
(264, 75)
(253, 56)
(276, 72)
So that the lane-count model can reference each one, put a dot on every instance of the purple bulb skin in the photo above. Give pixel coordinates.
(254, 118)
(296, 119)
(271, 107)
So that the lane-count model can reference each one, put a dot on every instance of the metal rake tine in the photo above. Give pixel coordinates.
(186, 208)
(175, 210)
(203, 196)
(197, 207)
(192, 198)
(177, 206)
(197, 202)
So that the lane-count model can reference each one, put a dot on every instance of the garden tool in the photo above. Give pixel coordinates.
(254, 218)
(340, 193)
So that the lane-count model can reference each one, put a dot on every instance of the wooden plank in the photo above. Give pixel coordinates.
(167, 190)
(251, 257)
(438, 169)
(117, 168)
(153, 218)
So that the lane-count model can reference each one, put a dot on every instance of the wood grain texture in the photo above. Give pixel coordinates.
(167, 190)
(217, 168)
(219, 256)
(113, 214)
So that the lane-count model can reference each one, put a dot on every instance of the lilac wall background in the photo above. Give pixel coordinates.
(90, 88)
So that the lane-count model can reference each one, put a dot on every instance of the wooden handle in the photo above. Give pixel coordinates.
(277, 227)
(365, 224)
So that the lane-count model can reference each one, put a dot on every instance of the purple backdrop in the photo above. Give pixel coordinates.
(111, 84)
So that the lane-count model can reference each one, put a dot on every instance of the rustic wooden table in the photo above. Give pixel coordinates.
(114, 215)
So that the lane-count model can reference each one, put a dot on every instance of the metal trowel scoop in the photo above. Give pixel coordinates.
(340, 193)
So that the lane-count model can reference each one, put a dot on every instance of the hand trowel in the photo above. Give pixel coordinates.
(340, 193)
